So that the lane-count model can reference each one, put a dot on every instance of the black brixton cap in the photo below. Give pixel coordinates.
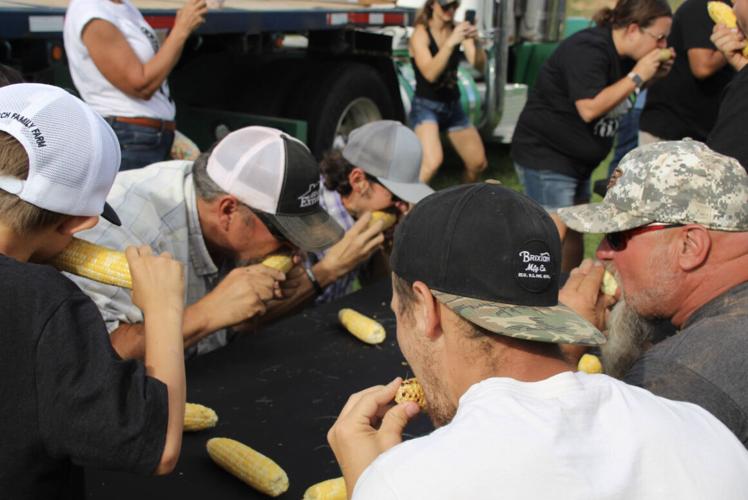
(493, 256)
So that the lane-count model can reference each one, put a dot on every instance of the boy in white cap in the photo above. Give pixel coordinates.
(377, 170)
(68, 400)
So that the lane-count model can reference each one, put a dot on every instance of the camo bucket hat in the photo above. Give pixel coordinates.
(493, 256)
(679, 182)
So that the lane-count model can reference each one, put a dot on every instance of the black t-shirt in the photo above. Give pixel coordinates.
(550, 134)
(680, 105)
(729, 135)
(445, 87)
(66, 398)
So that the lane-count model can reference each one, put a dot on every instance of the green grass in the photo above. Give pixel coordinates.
(500, 167)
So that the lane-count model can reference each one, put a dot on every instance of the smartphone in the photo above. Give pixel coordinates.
(470, 16)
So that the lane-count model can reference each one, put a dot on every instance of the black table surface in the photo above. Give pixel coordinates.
(278, 390)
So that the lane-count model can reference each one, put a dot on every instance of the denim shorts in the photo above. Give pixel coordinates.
(141, 145)
(551, 189)
(448, 115)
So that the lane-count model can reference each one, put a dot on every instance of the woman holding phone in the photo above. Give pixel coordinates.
(434, 49)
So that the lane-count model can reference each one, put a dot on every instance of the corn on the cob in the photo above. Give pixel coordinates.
(282, 263)
(198, 417)
(411, 390)
(332, 489)
(362, 327)
(387, 218)
(250, 466)
(665, 55)
(721, 13)
(609, 286)
(589, 363)
(95, 262)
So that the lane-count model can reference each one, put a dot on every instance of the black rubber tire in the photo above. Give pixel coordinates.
(344, 84)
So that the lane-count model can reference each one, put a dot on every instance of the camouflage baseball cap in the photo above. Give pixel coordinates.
(680, 182)
(493, 256)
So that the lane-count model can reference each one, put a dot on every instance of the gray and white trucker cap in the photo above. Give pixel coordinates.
(392, 153)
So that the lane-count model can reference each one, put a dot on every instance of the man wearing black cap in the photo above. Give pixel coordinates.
(475, 286)
(255, 193)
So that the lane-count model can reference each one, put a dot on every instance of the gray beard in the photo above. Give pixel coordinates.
(629, 335)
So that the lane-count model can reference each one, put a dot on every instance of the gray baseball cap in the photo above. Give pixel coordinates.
(392, 153)
(680, 182)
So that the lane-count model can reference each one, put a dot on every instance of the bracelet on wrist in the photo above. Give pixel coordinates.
(313, 279)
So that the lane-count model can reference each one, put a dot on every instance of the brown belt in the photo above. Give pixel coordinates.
(146, 122)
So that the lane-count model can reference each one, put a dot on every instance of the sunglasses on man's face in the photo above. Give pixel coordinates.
(617, 241)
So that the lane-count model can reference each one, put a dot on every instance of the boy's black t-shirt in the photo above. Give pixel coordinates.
(680, 105)
(66, 398)
(550, 134)
(728, 135)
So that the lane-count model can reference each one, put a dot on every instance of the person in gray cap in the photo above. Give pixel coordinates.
(676, 224)
(515, 420)
(377, 170)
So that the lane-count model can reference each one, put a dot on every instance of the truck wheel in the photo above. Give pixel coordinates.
(353, 95)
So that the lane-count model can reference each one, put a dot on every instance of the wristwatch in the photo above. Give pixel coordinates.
(637, 80)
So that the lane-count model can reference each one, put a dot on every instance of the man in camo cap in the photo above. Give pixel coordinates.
(475, 296)
(676, 224)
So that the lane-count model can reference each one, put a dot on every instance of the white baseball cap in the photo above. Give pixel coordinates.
(277, 176)
(73, 153)
(392, 153)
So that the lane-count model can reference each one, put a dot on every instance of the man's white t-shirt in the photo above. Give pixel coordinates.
(572, 436)
(94, 88)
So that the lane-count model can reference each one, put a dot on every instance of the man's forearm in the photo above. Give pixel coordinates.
(129, 338)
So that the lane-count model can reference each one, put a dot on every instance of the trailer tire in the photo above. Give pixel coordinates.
(352, 95)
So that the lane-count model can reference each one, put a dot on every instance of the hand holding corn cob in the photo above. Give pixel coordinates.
(250, 466)
(721, 13)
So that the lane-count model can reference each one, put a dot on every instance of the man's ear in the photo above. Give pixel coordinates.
(226, 208)
(358, 181)
(427, 310)
(694, 245)
(76, 223)
(631, 29)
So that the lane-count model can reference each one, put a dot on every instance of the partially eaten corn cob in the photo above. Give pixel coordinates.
(387, 218)
(95, 262)
(411, 390)
(362, 327)
(665, 55)
(721, 13)
(589, 363)
(609, 286)
(250, 466)
(198, 417)
(282, 263)
(332, 489)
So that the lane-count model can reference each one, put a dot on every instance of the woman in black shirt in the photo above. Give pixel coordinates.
(571, 117)
(436, 107)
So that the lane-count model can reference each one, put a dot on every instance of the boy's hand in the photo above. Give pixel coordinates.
(157, 281)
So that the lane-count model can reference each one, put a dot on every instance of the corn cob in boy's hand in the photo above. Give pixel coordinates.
(410, 390)
(252, 467)
(198, 417)
(332, 489)
(95, 262)
(362, 327)
(387, 219)
(721, 13)
(280, 262)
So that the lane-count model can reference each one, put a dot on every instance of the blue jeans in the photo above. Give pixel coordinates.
(628, 132)
(141, 145)
(551, 189)
(448, 115)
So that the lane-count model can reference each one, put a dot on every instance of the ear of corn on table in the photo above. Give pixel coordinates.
(362, 327)
(721, 13)
(198, 417)
(250, 466)
(332, 489)
(95, 262)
